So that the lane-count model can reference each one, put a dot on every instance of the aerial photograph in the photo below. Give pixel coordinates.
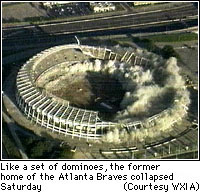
(99, 80)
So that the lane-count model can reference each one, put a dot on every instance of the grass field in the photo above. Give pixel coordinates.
(174, 37)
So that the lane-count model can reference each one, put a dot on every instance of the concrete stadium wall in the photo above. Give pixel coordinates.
(60, 116)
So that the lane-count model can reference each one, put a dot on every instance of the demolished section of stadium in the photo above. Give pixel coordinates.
(154, 98)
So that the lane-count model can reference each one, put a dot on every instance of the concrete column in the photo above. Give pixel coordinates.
(80, 132)
(70, 114)
(26, 105)
(48, 118)
(83, 117)
(34, 94)
(110, 55)
(123, 57)
(20, 80)
(33, 115)
(60, 123)
(99, 52)
(104, 54)
(43, 104)
(115, 56)
(54, 124)
(87, 133)
(59, 118)
(141, 61)
(66, 129)
(42, 119)
(62, 116)
(43, 111)
(48, 115)
(135, 60)
(37, 117)
(23, 84)
(93, 50)
(24, 77)
(39, 101)
(95, 126)
(73, 132)
(17, 97)
(129, 58)
(29, 110)
(23, 105)
(26, 88)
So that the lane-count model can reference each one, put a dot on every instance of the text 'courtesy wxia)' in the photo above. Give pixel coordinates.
(131, 176)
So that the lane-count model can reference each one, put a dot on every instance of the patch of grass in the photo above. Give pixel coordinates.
(167, 51)
(9, 143)
(64, 153)
(174, 37)
(37, 19)
(11, 4)
(36, 147)
(44, 148)
(10, 20)
(119, 7)
(100, 42)
(12, 52)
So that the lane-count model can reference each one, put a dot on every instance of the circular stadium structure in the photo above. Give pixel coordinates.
(154, 95)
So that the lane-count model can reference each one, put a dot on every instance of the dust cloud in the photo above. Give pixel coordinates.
(154, 92)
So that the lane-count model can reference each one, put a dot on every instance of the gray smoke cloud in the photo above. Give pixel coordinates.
(147, 96)
(157, 91)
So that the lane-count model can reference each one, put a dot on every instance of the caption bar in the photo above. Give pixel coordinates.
(17, 177)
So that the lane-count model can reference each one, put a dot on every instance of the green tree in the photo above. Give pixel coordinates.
(64, 153)
(168, 51)
(40, 149)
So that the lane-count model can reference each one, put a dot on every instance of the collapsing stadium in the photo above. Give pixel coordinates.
(154, 99)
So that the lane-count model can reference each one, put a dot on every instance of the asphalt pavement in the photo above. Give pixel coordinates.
(115, 22)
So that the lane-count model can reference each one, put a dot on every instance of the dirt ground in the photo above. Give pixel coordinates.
(88, 90)
(85, 90)
(22, 10)
(75, 89)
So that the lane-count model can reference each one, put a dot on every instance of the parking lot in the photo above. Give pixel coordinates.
(75, 9)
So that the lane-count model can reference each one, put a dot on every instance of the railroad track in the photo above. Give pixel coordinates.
(137, 20)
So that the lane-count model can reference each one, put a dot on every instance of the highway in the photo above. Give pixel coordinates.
(131, 20)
